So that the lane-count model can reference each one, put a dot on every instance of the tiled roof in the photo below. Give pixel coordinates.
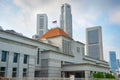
(54, 32)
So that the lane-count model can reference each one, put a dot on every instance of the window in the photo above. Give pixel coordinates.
(24, 72)
(2, 71)
(66, 47)
(93, 36)
(41, 22)
(25, 59)
(38, 55)
(4, 56)
(14, 72)
(78, 49)
(15, 59)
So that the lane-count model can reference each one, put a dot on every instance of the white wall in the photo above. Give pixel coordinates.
(21, 49)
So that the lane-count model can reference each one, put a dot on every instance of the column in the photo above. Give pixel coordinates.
(87, 75)
(0, 54)
(63, 74)
(9, 64)
(31, 66)
(20, 66)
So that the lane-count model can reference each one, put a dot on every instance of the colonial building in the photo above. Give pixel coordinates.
(54, 54)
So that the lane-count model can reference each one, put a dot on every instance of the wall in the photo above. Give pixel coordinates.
(12, 46)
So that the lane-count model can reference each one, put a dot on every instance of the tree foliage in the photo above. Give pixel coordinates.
(108, 75)
(101, 75)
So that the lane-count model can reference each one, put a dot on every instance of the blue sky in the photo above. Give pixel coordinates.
(20, 15)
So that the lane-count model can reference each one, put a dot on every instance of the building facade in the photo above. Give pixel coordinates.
(54, 54)
(113, 61)
(94, 44)
(66, 18)
(16, 58)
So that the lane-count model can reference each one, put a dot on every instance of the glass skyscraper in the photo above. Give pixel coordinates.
(94, 42)
(66, 19)
(113, 61)
(118, 63)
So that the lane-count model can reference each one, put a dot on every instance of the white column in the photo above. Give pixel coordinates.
(20, 65)
(31, 66)
(9, 64)
(63, 74)
(87, 75)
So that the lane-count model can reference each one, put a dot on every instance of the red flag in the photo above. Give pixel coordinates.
(55, 21)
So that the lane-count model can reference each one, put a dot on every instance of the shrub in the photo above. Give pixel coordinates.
(108, 75)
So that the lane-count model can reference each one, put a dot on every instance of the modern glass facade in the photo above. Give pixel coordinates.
(118, 63)
(113, 61)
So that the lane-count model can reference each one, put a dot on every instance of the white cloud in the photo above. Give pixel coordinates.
(115, 16)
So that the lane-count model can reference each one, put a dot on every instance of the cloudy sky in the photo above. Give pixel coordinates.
(20, 15)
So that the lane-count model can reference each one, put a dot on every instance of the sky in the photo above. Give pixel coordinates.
(20, 15)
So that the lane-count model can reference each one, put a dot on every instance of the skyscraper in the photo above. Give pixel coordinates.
(113, 61)
(94, 44)
(42, 24)
(66, 19)
(118, 63)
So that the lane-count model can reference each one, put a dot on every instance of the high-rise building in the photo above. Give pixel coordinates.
(118, 63)
(94, 44)
(42, 24)
(66, 19)
(113, 61)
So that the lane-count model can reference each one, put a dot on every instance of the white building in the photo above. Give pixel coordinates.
(54, 54)
(66, 19)
(42, 25)
(94, 43)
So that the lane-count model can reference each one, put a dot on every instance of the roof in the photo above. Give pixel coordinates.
(54, 32)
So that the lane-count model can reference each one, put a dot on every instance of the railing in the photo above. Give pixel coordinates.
(54, 79)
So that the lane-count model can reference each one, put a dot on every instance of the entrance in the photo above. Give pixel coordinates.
(77, 74)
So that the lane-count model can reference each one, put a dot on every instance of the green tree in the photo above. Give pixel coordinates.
(100, 75)
(94, 75)
(109, 75)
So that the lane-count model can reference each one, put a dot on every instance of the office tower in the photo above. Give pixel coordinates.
(118, 63)
(42, 24)
(94, 42)
(66, 19)
(113, 62)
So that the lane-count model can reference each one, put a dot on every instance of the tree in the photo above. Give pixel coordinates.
(108, 75)
(100, 75)
(94, 75)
